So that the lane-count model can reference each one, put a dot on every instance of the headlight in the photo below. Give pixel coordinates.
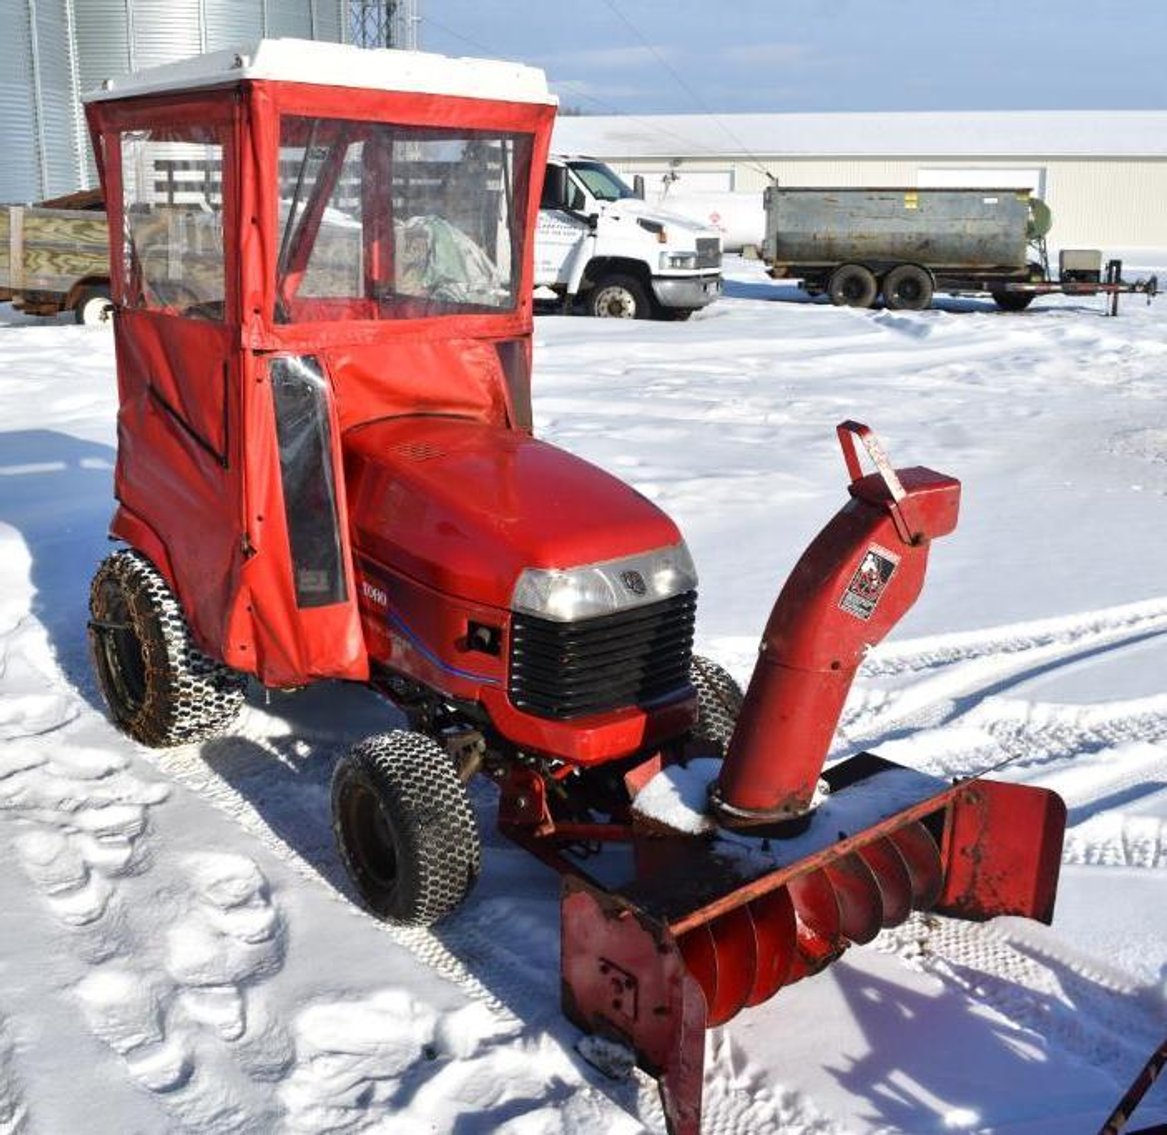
(568, 594)
(678, 260)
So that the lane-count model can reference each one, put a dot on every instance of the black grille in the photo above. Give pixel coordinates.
(635, 657)
(708, 252)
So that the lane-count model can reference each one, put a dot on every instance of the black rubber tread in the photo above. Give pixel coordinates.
(404, 828)
(160, 688)
(636, 291)
(1013, 301)
(852, 285)
(719, 702)
(907, 287)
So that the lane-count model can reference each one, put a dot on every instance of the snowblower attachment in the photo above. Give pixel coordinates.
(795, 863)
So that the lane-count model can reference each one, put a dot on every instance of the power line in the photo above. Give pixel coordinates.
(649, 125)
(684, 85)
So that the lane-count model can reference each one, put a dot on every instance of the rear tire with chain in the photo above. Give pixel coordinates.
(405, 828)
(719, 702)
(160, 688)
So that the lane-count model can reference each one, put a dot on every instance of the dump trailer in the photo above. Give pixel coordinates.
(906, 244)
(54, 257)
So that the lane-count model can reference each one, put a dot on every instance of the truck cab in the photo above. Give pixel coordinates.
(599, 247)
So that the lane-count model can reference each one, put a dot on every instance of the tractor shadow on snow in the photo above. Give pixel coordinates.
(988, 1072)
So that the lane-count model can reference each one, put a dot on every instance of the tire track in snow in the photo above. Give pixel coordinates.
(1101, 758)
(1021, 971)
(968, 667)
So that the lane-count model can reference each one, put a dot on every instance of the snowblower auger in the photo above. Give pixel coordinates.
(795, 863)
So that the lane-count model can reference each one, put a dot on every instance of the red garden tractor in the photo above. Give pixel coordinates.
(322, 267)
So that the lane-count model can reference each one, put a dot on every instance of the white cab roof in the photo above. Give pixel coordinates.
(338, 65)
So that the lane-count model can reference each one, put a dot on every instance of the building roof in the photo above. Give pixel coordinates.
(934, 134)
(338, 65)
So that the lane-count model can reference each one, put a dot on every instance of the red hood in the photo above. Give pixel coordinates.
(464, 506)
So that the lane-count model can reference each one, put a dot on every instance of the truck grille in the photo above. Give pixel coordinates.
(635, 657)
(708, 252)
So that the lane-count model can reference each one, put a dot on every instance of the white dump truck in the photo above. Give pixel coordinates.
(601, 250)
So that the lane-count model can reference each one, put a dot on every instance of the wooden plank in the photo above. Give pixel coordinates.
(15, 257)
(61, 247)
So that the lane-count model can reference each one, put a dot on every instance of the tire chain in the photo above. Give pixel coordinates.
(426, 786)
(189, 696)
(719, 701)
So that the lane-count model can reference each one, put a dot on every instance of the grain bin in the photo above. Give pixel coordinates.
(53, 50)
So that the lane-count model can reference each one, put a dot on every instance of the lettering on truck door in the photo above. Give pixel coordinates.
(556, 238)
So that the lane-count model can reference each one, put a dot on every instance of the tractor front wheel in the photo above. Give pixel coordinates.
(404, 828)
(719, 702)
(160, 688)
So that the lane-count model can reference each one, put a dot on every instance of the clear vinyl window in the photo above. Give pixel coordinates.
(381, 222)
(172, 189)
(304, 436)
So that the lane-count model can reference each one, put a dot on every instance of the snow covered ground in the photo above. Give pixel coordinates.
(177, 946)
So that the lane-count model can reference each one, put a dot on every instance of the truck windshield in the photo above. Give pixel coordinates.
(600, 181)
(382, 222)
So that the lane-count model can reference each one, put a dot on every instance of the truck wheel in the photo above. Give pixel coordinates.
(907, 287)
(404, 827)
(719, 702)
(94, 306)
(852, 285)
(1012, 301)
(619, 297)
(160, 688)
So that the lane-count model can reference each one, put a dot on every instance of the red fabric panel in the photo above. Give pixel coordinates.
(270, 635)
(176, 431)
(460, 377)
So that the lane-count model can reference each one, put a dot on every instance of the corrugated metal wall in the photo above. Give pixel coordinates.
(52, 50)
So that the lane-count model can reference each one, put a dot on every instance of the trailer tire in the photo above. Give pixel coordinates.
(719, 702)
(159, 687)
(907, 287)
(852, 285)
(94, 306)
(404, 828)
(1012, 301)
(619, 297)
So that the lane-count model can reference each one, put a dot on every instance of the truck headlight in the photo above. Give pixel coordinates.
(678, 260)
(568, 594)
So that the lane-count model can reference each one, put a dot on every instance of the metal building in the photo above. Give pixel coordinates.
(53, 50)
(1103, 173)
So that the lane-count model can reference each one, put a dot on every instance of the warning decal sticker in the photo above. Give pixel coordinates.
(869, 582)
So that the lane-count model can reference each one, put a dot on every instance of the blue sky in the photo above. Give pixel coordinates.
(680, 56)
